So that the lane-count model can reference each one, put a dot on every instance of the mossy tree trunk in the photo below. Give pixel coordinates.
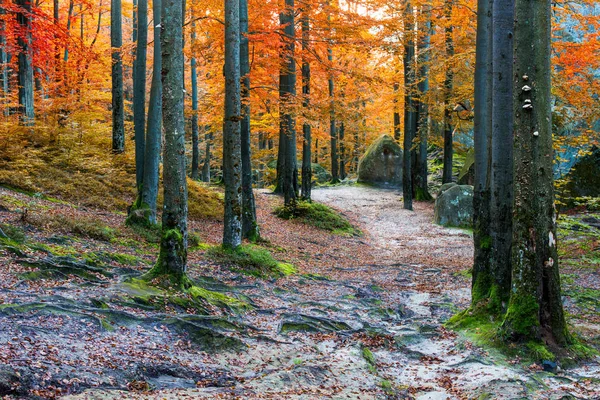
(483, 284)
(409, 115)
(287, 94)
(207, 156)
(501, 199)
(421, 189)
(118, 112)
(306, 128)
(173, 244)
(249, 224)
(195, 173)
(25, 62)
(535, 310)
(232, 163)
(448, 84)
(139, 92)
(154, 127)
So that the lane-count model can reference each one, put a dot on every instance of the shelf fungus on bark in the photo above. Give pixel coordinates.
(526, 88)
(527, 105)
(536, 134)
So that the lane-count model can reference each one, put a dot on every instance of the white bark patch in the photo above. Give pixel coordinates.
(551, 240)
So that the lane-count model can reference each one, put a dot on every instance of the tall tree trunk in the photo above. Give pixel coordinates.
(249, 224)
(154, 128)
(207, 156)
(342, 152)
(483, 284)
(139, 92)
(409, 71)
(316, 150)
(69, 16)
(287, 94)
(335, 175)
(194, 78)
(448, 84)
(173, 244)
(232, 165)
(306, 128)
(25, 63)
(4, 60)
(397, 132)
(116, 41)
(502, 147)
(422, 114)
(535, 310)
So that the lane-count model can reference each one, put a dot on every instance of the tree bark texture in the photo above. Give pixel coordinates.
(448, 84)
(409, 71)
(139, 91)
(25, 75)
(306, 128)
(116, 41)
(232, 163)
(535, 310)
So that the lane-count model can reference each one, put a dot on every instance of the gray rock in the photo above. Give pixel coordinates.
(445, 187)
(382, 163)
(454, 207)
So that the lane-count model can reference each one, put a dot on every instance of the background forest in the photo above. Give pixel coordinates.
(142, 251)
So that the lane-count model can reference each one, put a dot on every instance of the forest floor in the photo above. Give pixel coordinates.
(362, 319)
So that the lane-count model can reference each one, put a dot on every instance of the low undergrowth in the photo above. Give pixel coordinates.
(252, 260)
(319, 216)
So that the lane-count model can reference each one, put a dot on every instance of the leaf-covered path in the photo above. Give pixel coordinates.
(363, 319)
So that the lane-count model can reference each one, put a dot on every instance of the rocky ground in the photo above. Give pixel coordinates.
(363, 318)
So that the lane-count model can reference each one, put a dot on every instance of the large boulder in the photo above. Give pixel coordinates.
(382, 163)
(454, 207)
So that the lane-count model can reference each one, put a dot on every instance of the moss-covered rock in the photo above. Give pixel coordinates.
(382, 163)
(454, 207)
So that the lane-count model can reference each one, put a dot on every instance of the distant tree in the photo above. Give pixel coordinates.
(116, 41)
(194, 78)
(173, 244)
(448, 84)
(306, 127)
(287, 94)
(421, 189)
(139, 91)
(154, 127)
(409, 114)
(249, 224)
(207, 156)
(25, 63)
(232, 163)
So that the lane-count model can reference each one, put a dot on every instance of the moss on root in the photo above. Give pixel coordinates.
(252, 260)
(521, 318)
(319, 216)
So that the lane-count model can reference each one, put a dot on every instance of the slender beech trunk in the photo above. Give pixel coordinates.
(69, 16)
(306, 128)
(173, 244)
(397, 131)
(502, 147)
(154, 127)
(232, 163)
(335, 176)
(483, 279)
(316, 150)
(116, 41)
(535, 310)
(421, 189)
(4, 59)
(448, 84)
(342, 152)
(25, 64)
(287, 94)
(207, 156)
(409, 71)
(139, 92)
(194, 79)
(249, 224)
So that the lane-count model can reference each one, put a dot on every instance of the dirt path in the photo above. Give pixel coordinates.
(362, 320)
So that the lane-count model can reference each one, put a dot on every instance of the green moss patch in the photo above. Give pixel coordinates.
(319, 216)
(252, 260)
